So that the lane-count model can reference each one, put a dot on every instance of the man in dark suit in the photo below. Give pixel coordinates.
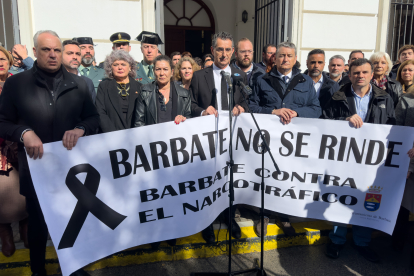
(209, 95)
(149, 49)
(324, 86)
(58, 107)
(71, 59)
(86, 68)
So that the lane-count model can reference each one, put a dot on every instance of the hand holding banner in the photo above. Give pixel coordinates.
(165, 181)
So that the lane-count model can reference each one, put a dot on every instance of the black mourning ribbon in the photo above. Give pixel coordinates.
(87, 202)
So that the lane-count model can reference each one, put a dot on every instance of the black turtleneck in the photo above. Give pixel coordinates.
(51, 78)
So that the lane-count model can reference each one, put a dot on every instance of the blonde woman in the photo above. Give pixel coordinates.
(382, 67)
(405, 75)
(184, 70)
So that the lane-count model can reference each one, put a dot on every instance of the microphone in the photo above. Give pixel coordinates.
(228, 78)
(238, 80)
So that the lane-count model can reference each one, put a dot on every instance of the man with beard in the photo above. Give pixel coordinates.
(71, 59)
(149, 49)
(175, 57)
(324, 86)
(86, 68)
(244, 61)
(336, 68)
(268, 51)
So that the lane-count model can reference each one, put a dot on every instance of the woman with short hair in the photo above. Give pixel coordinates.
(405, 76)
(382, 67)
(116, 95)
(184, 70)
(12, 203)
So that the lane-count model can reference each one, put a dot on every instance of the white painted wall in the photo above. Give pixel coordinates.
(339, 26)
(98, 19)
(245, 29)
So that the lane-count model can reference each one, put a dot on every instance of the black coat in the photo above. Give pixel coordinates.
(329, 87)
(203, 91)
(89, 83)
(394, 71)
(342, 106)
(146, 111)
(26, 103)
(109, 107)
(394, 89)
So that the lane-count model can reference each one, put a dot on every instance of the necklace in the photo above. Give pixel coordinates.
(123, 89)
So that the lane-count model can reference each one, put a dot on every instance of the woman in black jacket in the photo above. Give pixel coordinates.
(162, 101)
(382, 66)
(116, 95)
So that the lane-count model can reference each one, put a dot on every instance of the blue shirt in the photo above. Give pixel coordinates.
(362, 104)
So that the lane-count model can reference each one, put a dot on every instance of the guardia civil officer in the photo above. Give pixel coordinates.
(86, 68)
(149, 48)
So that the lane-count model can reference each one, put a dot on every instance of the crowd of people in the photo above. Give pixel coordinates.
(63, 95)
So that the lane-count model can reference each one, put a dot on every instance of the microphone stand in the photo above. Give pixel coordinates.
(265, 147)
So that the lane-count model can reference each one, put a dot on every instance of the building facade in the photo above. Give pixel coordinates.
(336, 26)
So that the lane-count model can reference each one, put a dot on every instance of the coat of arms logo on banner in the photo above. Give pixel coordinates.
(373, 198)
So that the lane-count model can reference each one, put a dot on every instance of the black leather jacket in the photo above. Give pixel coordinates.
(146, 104)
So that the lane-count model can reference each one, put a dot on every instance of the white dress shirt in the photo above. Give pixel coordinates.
(217, 84)
(287, 77)
(318, 85)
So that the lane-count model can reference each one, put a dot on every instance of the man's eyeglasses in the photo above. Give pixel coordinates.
(246, 52)
(207, 59)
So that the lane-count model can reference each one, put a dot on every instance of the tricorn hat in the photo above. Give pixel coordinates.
(150, 38)
(120, 37)
(84, 40)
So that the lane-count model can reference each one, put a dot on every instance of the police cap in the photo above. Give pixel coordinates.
(120, 38)
(149, 38)
(83, 40)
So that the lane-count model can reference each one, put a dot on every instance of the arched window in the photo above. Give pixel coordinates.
(189, 25)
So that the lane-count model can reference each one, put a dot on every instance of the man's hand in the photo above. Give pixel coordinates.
(411, 153)
(355, 120)
(20, 50)
(70, 138)
(237, 110)
(285, 114)
(33, 145)
(209, 111)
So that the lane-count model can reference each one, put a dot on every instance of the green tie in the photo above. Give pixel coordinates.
(85, 71)
(150, 72)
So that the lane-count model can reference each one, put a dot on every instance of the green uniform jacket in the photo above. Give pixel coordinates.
(96, 74)
(142, 76)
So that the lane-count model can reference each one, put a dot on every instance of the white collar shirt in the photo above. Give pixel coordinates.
(318, 85)
(217, 84)
(287, 77)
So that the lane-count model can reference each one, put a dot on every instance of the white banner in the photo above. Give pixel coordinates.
(122, 189)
